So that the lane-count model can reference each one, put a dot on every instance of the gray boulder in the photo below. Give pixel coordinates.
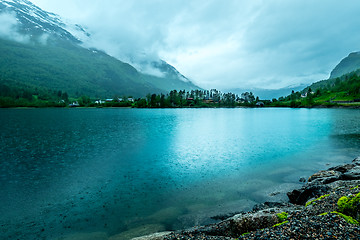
(318, 183)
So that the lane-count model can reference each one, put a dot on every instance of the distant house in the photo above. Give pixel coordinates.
(304, 95)
(208, 101)
(74, 104)
(109, 100)
(99, 102)
(131, 100)
(240, 100)
(260, 104)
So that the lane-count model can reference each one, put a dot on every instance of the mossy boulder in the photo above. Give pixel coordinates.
(301, 196)
(350, 206)
(248, 222)
(282, 216)
(324, 176)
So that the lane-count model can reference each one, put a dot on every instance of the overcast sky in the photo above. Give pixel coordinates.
(224, 44)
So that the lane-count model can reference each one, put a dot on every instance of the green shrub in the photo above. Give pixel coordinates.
(343, 203)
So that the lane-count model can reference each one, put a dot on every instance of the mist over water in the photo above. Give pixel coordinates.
(115, 171)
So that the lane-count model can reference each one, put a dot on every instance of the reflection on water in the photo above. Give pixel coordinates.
(134, 171)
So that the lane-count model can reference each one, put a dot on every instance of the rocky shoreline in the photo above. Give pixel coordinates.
(326, 207)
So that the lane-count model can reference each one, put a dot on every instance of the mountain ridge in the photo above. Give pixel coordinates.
(48, 55)
(346, 65)
(35, 21)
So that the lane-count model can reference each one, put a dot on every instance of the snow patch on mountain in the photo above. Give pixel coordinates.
(77, 31)
(22, 21)
(32, 17)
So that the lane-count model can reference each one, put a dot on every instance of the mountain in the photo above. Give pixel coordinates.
(172, 76)
(39, 49)
(341, 89)
(34, 22)
(341, 74)
(347, 65)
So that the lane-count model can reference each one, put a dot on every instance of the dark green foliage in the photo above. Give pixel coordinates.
(154, 102)
(195, 98)
(347, 65)
(114, 104)
(347, 82)
(25, 96)
(332, 92)
(67, 67)
(19, 95)
(141, 103)
(84, 101)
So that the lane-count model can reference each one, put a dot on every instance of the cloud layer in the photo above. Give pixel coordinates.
(9, 28)
(224, 44)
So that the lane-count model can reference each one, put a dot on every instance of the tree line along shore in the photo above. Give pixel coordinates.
(339, 92)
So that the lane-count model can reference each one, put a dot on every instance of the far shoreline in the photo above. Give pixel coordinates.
(212, 107)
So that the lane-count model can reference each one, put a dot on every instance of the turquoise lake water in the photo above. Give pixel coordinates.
(129, 172)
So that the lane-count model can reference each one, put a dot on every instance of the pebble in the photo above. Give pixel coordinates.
(303, 224)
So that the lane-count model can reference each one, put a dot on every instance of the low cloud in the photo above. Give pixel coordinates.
(9, 28)
(43, 39)
(147, 68)
(224, 44)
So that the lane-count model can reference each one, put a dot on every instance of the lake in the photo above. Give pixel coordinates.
(127, 172)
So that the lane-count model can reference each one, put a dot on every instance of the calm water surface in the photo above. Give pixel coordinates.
(127, 172)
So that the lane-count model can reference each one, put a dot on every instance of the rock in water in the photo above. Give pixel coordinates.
(317, 183)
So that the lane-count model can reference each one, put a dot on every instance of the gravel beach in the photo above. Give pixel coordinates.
(311, 213)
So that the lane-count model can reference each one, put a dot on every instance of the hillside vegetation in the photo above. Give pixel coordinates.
(69, 68)
(341, 91)
(349, 64)
(52, 58)
(77, 71)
